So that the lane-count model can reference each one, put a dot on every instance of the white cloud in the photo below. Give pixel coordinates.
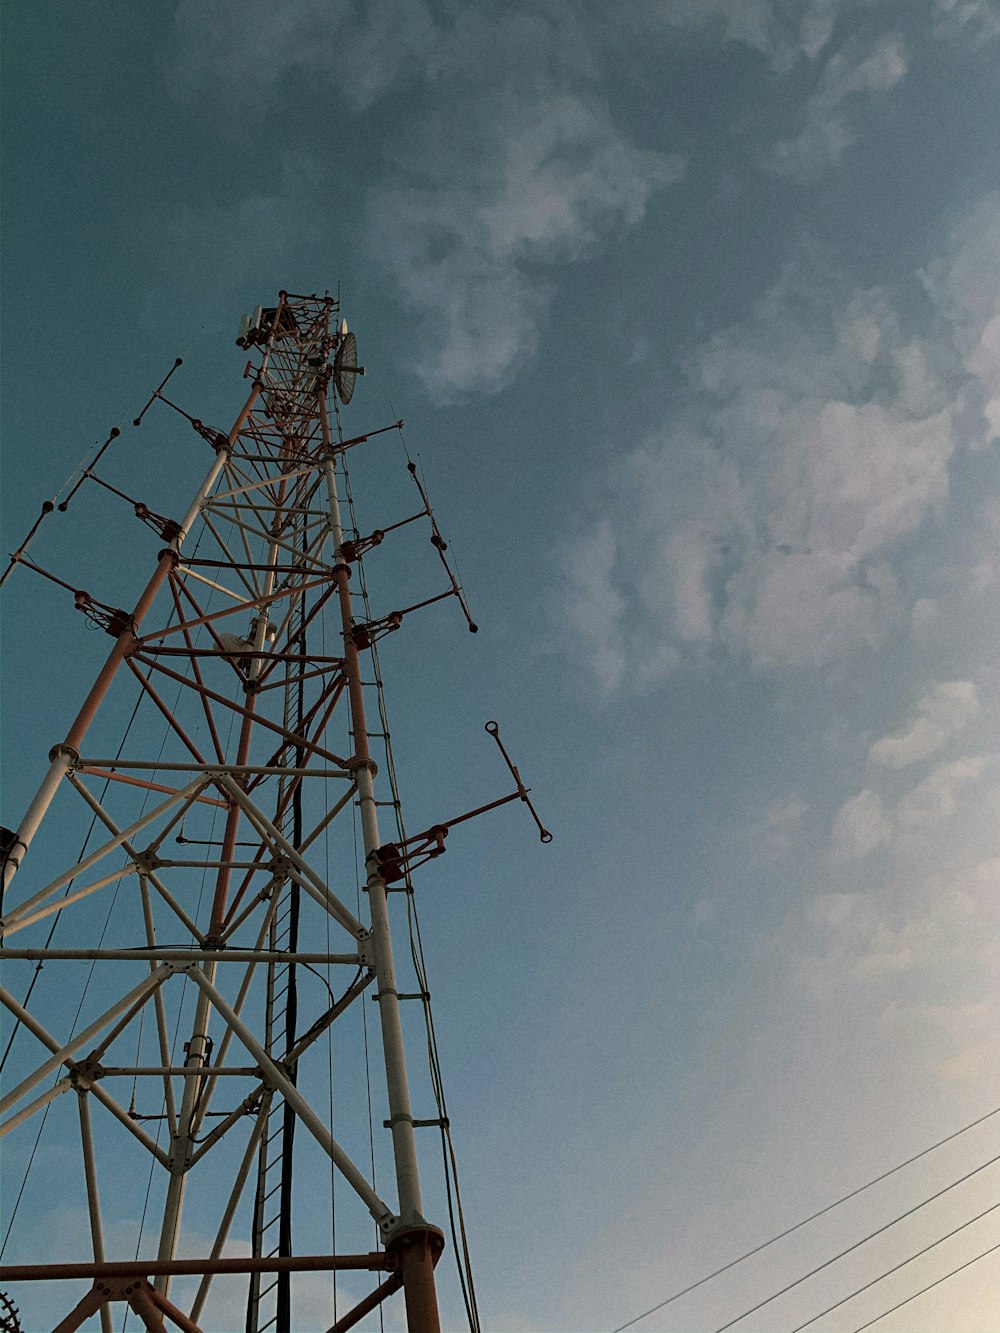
(827, 132)
(866, 822)
(783, 33)
(503, 159)
(765, 532)
(240, 51)
(767, 518)
(975, 20)
(937, 796)
(983, 363)
(946, 710)
(921, 955)
(466, 239)
(861, 826)
(782, 824)
(965, 285)
(593, 606)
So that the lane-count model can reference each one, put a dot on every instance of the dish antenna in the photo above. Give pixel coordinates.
(345, 365)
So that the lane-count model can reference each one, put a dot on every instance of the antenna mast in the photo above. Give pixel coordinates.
(251, 790)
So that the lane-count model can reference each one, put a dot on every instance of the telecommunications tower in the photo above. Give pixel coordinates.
(233, 902)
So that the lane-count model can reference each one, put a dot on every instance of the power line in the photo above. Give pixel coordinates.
(896, 1267)
(968, 1264)
(748, 1254)
(864, 1241)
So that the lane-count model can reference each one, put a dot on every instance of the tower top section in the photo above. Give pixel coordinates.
(310, 322)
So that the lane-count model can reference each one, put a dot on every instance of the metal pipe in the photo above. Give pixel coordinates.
(149, 875)
(380, 1210)
(306, 876)
(177, 1071)
(46, 1038)
(374, 1262)
(223, 1126)
(370, 1302)
(209, 1089)
(187, 955)
(126, 1121)
(197, 1051)
(93, 1201)
(82, 1038)
(92, 1302)
(159, 1008)
(28, 827)
(168, 558)
(145, 1307)
(82, 866)
(212, 770)
(14, 924)
(230, 1210)
(421, 1297)
(26, 1112)
(176, 1316)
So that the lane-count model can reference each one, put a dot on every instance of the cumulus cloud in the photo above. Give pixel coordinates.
(765, 530)
(765, 520)
(500, 159)
(937, 796)
(782, 824)
(828, 128)
(783, 33)
(242, 52)
(946, 710)
(466, 239)
(964, 283)
(866, 822)
(593, 605)
(861, 826)
(974, 20)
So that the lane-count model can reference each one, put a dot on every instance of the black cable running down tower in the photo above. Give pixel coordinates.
(284, 1293)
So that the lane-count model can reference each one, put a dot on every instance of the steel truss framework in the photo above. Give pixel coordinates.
(248, 705)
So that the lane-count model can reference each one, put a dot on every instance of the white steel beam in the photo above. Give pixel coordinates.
(65, 1052)
(280, 1081)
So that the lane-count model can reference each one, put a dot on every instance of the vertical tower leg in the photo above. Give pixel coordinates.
(418, 1251)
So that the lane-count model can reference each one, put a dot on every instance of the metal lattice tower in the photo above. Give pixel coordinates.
(218, 840)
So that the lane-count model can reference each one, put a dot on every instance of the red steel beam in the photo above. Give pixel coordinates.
(374, 1262)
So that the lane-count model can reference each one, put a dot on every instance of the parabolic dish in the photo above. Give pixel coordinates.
(345, 367)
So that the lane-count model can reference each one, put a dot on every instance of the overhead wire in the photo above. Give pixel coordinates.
(896, 1267)
(930, 1286)
(858, 1243)
(797, 1226)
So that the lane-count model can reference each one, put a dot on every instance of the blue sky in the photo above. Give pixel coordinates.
(693, 313)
